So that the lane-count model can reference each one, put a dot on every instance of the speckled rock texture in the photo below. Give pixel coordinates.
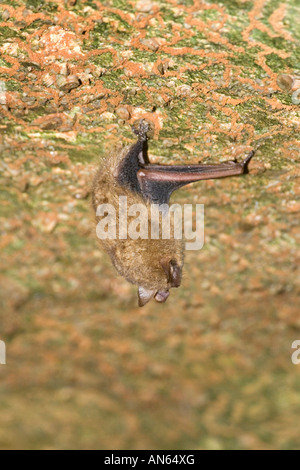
(211, 368)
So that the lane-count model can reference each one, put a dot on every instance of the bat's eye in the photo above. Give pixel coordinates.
(162, 296)
(175, 274)
(173, 271)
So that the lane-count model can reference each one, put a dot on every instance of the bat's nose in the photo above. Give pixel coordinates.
(162, 296)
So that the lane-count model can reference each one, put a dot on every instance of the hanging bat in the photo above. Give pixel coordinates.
(154, 265)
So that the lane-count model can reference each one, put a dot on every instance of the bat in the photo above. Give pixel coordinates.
(154, 265)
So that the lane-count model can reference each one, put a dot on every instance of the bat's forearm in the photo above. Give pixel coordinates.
(191, 173)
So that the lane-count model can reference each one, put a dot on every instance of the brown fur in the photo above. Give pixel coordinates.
(139, 261)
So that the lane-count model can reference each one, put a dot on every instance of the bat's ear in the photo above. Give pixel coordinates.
(173, 272)
(145, 295)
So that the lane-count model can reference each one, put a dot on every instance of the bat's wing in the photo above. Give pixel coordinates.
(157, 182)
(135, 159)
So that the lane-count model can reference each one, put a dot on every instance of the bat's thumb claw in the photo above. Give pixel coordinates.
(247, 160)
(143, 129)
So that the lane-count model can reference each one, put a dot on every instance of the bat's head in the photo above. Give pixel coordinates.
(171, 274)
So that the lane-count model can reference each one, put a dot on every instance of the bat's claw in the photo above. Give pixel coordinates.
(247, 160)
(143, 129)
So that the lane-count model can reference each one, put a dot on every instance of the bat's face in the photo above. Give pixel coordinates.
(170, 276)
(145, 295)
(155, 266)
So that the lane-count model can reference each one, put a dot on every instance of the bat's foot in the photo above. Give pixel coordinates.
(247, 160)
(143, 129)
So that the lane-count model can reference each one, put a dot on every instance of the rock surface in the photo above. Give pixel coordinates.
(211, 369)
